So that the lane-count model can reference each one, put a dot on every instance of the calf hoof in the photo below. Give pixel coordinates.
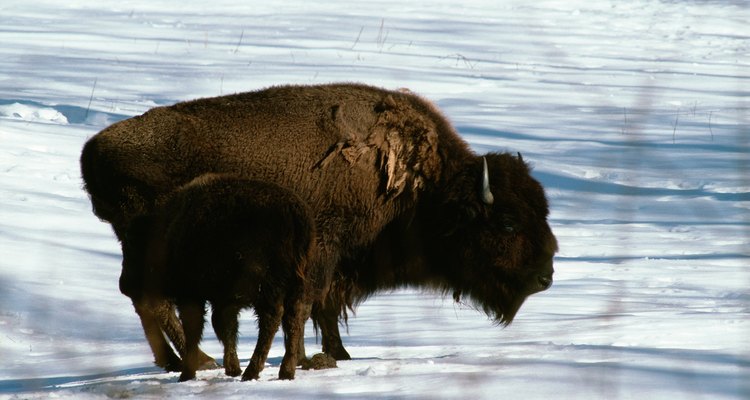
(252, 372)
(250, 377)
(186, 376)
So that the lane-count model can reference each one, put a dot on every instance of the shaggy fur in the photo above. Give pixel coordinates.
(393, 189)
(235, 243)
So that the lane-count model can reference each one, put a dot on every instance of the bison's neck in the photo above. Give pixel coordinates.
(393, 260)
(407, 253)
(446, 216)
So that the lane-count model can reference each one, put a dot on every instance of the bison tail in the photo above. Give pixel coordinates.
(115, 197)
(304, 245)
(92, 167)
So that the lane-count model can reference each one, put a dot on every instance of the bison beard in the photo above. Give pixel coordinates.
(397, 197)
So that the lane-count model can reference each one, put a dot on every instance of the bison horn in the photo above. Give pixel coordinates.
(520, 157)
(487, 196)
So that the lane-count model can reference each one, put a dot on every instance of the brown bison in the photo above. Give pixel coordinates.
(397, 196)
(235, 243)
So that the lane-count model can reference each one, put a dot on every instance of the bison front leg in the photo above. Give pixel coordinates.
(164, 356)
(327, 318)
(158, 318)
(224, 321)
(172, 327)
(152, 310)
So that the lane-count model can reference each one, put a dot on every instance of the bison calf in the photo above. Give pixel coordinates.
(234, 243)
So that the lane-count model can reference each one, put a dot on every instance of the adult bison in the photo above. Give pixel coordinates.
(397, 197)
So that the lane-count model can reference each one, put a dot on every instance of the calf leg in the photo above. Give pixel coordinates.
(293, 324)
(224, 321)
(192, 315)
(269, 318)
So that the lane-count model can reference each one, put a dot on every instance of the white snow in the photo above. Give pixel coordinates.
(635, 115)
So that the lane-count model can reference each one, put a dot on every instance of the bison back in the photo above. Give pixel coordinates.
(357, 155)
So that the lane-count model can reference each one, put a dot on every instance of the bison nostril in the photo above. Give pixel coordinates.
(545, 281)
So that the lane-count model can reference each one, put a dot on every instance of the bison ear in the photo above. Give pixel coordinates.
(467, 199)
(455, 217)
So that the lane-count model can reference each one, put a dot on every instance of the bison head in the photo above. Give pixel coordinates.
(499, 248)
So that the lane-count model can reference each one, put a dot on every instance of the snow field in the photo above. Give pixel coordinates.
(634, 115)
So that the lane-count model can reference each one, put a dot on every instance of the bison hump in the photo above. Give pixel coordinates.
(401, 147)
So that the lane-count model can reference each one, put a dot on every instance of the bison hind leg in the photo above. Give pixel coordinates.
(225, 324)
(293, 323)
(302, 359)
(192, 315)
(269, 318)
(326, 318)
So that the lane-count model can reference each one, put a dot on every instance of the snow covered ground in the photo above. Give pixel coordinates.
(636, 115)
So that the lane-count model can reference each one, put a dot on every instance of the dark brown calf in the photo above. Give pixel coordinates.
(234, 243)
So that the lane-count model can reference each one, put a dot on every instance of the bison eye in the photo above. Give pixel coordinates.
(509, 224)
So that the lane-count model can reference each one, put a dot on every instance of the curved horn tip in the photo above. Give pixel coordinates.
(487, 196)
(520, 157)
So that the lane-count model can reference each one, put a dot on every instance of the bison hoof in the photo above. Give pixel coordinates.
(174, 364)
(232, 370)
(187, 376)
(339, 354)
(286, 375)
